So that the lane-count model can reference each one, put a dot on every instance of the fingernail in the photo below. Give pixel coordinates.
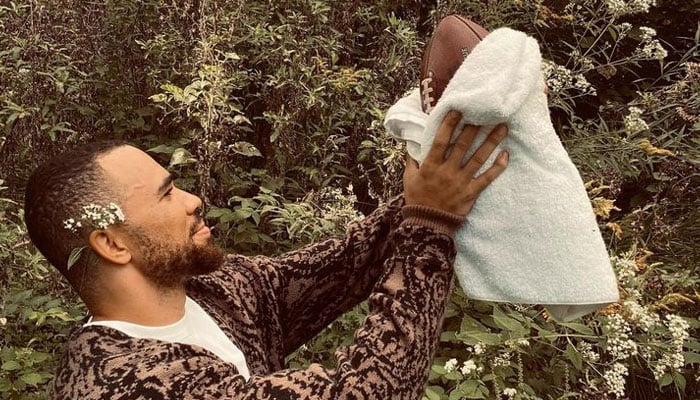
(505, 155)
(503, 128)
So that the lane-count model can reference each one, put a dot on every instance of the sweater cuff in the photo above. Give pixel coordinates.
(438, 220)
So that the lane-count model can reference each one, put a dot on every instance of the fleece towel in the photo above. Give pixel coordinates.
(532, 236)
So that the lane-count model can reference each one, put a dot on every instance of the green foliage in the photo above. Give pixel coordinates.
(271, 112)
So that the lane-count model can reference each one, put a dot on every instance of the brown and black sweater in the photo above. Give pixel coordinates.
(270, 306)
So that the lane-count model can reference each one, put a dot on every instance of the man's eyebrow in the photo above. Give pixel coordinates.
(165, 184)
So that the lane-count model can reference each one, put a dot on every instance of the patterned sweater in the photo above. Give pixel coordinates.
(270, 306)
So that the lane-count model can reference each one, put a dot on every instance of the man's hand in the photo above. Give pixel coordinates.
(443, 181)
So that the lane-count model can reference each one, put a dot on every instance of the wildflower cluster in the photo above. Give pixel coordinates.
(450, 365)
(622, 7)
(649, 47)
(96, 216)
(634, 122)
(615, 379)
(467, 368)
(509, 392)
(560, 78)
(339, 206)
(625, 269)
(641, 316)
(502, 360)
(587, 352)
(620, 345)
(673, 360)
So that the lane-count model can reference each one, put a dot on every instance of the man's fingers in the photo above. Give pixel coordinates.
(462, 144)
(484, 151)
(436, 155)
(482, 181)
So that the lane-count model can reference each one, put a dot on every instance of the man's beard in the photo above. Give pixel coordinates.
(167, 265)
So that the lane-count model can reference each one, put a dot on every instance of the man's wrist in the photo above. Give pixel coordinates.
(438, 220)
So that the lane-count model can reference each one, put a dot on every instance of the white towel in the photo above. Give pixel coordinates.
(532, 236)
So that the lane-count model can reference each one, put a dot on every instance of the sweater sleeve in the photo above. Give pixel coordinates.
(392, 351)
(317, 283)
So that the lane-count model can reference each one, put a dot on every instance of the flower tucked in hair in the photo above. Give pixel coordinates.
(97, 216)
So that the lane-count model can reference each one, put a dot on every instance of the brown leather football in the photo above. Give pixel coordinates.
(454, 38)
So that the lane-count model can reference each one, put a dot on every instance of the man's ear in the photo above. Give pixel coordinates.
(109, 246)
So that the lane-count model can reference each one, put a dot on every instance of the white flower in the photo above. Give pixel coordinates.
(621, 7)
(678, 328)
(647, 33)
(652, 50)
(623, 29)
(96, 216)
(615, 379)
(479, 348)
(3, 321)
(619, 344)
(502, 360)
(450, 365)
(510, 392)
(468, 367)
(634, 122)
(586, 350)
(641, 315)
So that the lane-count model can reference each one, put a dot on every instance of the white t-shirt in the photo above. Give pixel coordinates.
(196, 328)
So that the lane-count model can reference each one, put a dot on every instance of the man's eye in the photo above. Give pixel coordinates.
(168, 192)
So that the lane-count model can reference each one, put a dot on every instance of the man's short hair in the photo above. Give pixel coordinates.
(56, 192)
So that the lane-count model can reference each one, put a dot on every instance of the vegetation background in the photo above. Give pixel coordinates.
(272, 112)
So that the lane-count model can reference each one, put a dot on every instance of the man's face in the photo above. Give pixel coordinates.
(165, 233)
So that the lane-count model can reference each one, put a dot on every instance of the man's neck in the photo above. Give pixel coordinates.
(146, 306)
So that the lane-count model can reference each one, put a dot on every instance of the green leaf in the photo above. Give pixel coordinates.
(75, 256)
(691, 358)
(580, 328)
(434, 392)
(162, 149)
(181, 156)
(665, 380)
(574, 356)
(245, 149)
(479, 337)
(33, 378)
(679, 380)
(505, 322)
(11, 365)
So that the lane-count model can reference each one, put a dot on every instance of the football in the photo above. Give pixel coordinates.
(452, 41)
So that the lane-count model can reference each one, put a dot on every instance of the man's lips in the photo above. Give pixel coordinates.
(201, 229)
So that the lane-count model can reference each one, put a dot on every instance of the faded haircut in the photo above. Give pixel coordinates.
(56, 191)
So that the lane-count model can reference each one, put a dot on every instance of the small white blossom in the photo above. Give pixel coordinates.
(634, 122)
(619, 343)
(641, 315)
(652, 50)
(615, 379)
(450, 365)
(502, 360)
(468, 367)
(510, 392)
(678, 328)
(3, 321)
(647, 33)
(96, 216)
(623, 29)
(587, 352)
(622, 7)
(479, 348)
(668, 363)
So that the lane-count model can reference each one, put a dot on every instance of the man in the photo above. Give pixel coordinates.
(173, 318)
